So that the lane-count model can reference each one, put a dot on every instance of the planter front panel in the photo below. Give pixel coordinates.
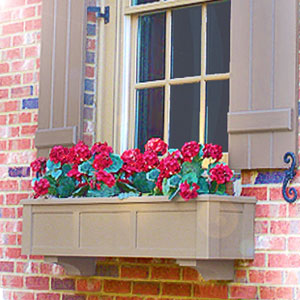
(211, 227)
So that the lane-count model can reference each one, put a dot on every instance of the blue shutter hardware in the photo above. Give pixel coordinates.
(289, 175)
(97, 10)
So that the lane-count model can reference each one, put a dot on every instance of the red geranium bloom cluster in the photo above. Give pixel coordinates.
(79, 153)
(212, 151)
(188, 192)
(157, 145)
(133, 161)
(41, 187)
(151, 160)
(59, 154)
(221, 174)
(75, 173)
(168, 166)
(106, 178)
(102, 161)
(101, 148)
(39, 165)
(190, 150)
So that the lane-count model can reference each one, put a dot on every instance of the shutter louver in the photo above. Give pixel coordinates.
(61, 75)
(263, 111)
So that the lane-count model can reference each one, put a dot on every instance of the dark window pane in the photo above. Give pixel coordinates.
(149, 115)
(218, 37)
(151, 47)
(186, 42)
(184, 114)
(217, 104)
(137, 2)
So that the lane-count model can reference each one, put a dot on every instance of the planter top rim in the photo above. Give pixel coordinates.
(143, 199)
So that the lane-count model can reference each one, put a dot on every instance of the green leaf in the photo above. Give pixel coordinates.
(174, 181)
(105, 191)
(116, 165)
(66, 168)
(153, 175)
(81, 191)
(213, 187)
(165, 187)
(85, 167)
(51, 166)
(56, 174)
(204, 187)
(221, 189)
(174, 193)
(142, 184)
(66, 187)
(51, 180)
(191, 167)
(125, 187)
(123, 196)
(52, 191)
(190, 178)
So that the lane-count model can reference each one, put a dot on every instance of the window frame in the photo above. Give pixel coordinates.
(123, 87)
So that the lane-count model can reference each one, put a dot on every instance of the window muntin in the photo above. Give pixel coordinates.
(183, 68)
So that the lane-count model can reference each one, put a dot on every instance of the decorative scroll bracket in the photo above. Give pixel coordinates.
(289, 194)
(97, 10)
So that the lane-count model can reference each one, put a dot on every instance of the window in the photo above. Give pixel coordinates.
(177, 57)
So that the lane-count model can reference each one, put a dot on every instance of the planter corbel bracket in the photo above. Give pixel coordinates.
(99, 14)
(290, 195)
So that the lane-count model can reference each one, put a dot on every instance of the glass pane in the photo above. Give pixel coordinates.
(149, 115)
(218, 37)
(184, 114)
(137, 2)
(186, 42)
(151, 47)
(217, 105)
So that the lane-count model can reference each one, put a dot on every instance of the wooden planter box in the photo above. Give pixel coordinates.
(207, 233)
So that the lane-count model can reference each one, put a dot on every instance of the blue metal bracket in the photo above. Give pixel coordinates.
(99, 14)
(289, 195)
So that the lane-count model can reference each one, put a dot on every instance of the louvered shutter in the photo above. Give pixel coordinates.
(61, 75)
(263, 112)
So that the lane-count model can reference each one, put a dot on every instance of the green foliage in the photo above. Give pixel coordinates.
(51, 166)
(81, 192)
(191, 167)
(66, 187)
(174, 181)
(105, 191)
(125, 187)
(152, 175)
(190, 178)
(86, 168)
(204, 187)
(221, 189)
(142, 184)
(123, 196)
(116, 165)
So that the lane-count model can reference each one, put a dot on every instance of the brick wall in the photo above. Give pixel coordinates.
(274, 274)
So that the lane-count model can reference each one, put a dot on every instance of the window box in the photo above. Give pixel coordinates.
(207, 233)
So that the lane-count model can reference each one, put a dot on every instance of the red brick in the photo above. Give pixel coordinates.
(12, 4)
(284, 260)
(47, 296)
(5, 42)
(271, 210)
(19, 92)
(28, 130)
(13, 226)
(27, 267)
(276, 293)
(280, 227)
(8, 239)
(6, 266)
(32, 51)
(4, 68)
(259, 192)
(261, 227)
(19, 144)
(116, 286)
(211, 291)
(88, 285)
(176, 289)
(13, 28)
(23, 296)
(23, 13)
(51, 269)
(165, 273)
(190, 274)
(13, 253)
(243, 291)
(33, 1)
(294, 243)
(4, 17)
(23, 65)
(33, 25)
(89, 72)
(14, 199)
(10, 80)
(3, 120)
(26, 185)
(8, 185)
(37, 283)
(270, 242)
(241, 276)
(12, 281)
(292, 277)
(12, 54)
(274, 277)
(145, 288)
(4, 94)
(134, 272)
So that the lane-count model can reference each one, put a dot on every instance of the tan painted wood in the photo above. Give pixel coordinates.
(62, 71)
(209, 228)
(263, 83)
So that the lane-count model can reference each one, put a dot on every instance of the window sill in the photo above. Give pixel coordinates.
(207, 233)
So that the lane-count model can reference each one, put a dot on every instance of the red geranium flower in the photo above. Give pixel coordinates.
(186, 192)
(41, 187)
(213, 151)
(169, 166)
(106, 178)
(151, 160)
(59, 154)
(133, 161)
(221, 174)
(102, 161)
(79, 153)
(101, 148)
(157, 145)
(190, 150)
(75, 173)
(39, 165)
